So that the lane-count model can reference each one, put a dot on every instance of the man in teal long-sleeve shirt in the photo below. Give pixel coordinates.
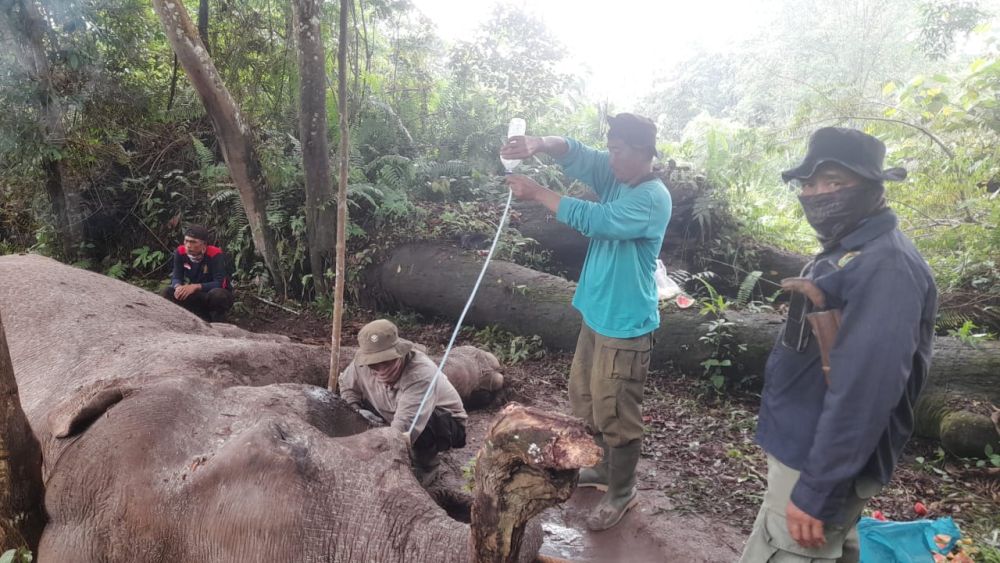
(616, 294)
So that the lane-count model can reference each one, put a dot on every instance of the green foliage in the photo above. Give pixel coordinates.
(117, 271)
(747, 287)
(19, 555)
(970, 334)
(991, 456)
(509, 348)
(514, 60)
(720, 337)
(943, 20)
(987, 554)
(146, 258)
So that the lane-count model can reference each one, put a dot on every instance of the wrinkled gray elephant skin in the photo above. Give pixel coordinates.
(169, 439)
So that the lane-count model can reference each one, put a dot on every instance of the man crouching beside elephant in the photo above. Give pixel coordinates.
(388, 379)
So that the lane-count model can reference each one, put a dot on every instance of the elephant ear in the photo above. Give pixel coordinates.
(74, 415)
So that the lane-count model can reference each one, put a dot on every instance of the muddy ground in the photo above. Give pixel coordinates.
(701, 477)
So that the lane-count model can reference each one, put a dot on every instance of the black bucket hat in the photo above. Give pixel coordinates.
(635, 130)
(850, 148)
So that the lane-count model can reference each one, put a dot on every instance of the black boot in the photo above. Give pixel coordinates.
(425, 466)
(621, 494)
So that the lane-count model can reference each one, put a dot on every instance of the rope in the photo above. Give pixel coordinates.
(458, 326)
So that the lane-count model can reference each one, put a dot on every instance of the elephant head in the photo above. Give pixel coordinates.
(187, 470)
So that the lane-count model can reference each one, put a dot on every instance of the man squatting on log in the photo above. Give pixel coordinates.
(832, 443)
(389, 377)
(616, 294)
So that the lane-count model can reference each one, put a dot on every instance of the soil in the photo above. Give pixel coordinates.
(701, 477)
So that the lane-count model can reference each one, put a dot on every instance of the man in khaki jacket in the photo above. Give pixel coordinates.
(387, 380)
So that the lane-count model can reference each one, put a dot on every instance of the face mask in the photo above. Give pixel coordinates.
(835, 214)
(390, 374)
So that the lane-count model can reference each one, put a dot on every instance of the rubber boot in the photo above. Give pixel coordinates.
(621, 494)
(596, 476)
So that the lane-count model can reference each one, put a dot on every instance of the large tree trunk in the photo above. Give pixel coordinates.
(436, 279)
(203, 25)
(21, 489)
(693, 222)
(320, 212)
(961, 425)
(682, 247)
(23, 28)
(231, 130)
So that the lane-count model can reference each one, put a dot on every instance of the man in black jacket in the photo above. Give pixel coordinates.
(199, 281)
(833, 442)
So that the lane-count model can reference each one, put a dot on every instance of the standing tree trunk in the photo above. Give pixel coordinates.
(21, 489)
(230, 128)
(320, 215)
(203, 25)
(345, 138)
(23, 27)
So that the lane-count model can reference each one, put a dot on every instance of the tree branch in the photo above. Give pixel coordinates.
(908, 124)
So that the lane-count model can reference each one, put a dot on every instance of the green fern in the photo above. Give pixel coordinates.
(747, 287)
(366, 192)
(951, 318)
(204, 155)
(701, 211)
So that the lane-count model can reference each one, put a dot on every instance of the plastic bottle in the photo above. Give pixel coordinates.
(516, 128)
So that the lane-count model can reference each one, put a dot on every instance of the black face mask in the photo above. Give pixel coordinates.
(835, 214)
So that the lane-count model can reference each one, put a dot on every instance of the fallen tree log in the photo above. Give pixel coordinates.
(962, 431)
(682, 248)
(436, 280)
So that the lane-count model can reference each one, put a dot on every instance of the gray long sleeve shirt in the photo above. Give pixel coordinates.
(398, 403)
(857, 426)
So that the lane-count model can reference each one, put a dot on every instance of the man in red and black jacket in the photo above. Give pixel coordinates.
(199, 281)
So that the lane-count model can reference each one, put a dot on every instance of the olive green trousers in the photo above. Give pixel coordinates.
(606, 382)
(770, 541)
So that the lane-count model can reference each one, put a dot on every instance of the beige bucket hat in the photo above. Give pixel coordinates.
(379, 341)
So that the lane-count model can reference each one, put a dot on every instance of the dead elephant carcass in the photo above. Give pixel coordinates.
(167, 439)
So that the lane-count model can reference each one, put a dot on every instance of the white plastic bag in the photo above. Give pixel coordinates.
(666, 288)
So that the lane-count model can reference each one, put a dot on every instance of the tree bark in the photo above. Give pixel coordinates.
(962, 431)
(203, 25)
(436, 280)
(23, 25)
(682, 248)
(345, 139)
(320, 212)
(230, 128)
(21, 490)
(528, 462)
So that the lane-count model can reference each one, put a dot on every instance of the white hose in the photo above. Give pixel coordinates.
(458, 326)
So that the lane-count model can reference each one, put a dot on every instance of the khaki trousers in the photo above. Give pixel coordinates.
(770, 541)
(606, 381)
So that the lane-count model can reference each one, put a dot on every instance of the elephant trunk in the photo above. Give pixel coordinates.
(21, 490)
(528, 462)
